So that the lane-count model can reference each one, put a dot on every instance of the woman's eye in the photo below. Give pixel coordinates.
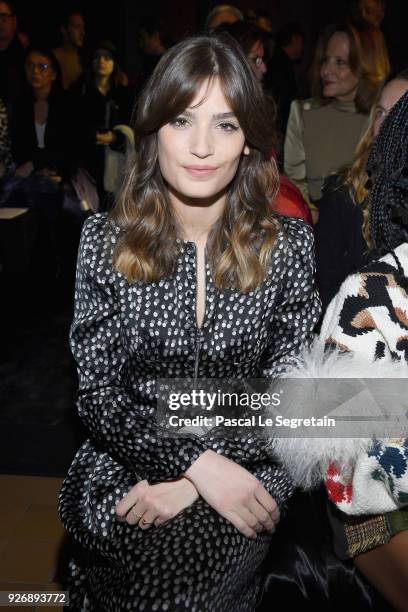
(179, 122)
(341, 62)
(228, 127)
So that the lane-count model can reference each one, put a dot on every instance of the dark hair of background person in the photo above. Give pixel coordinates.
(240, 243)
(287, 32)
(245, 33)
(109, 47)
(68, 13)
(368, 60)
(151, 24)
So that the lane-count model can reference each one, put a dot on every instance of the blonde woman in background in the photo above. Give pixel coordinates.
(341, 233)
(350, 64)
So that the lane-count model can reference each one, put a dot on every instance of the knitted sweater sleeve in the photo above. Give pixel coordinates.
(367, 319)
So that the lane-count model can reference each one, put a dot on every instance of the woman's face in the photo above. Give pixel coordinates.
(256, 60)
(338, 80)
(199, 150)
(39, 71)
(103, 63)
(391, 93)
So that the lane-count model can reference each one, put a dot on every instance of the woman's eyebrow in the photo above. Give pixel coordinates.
(224, 115)
(216, 116)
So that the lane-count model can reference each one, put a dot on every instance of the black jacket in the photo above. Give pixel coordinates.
(96, 112)
(340, 246)
(59, 152)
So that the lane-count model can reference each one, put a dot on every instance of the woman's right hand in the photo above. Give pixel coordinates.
(234, 493)
(147, 504)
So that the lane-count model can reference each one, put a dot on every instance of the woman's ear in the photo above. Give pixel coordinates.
(246, 150)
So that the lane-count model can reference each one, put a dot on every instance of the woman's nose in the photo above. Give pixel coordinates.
(201, 143)
(327, 68)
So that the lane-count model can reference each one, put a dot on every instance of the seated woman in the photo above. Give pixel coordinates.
(44, 150)
(102, 104)
(322, 133)
(191, 275)
(41, 126)
(367, 322)
(341, 233)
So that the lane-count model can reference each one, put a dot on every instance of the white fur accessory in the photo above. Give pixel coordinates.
(357, 471)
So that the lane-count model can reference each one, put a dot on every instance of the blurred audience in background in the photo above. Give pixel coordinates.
(318, 135)
(370, 11)
(153, 42)
(12, 54)
(68, 53)
(341, 233)
(102, 103)
(44, 151)
(281, 80)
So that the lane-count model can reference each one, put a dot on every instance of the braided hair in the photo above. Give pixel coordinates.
(387, 168)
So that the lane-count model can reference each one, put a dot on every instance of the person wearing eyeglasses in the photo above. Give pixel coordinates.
(43, 148)
(11, 55)
(39, 131)
(251, 39)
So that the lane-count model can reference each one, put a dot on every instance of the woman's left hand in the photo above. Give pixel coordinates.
(148, 505)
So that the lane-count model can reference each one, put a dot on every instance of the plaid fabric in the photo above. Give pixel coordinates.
(364, 534)
(354, 535)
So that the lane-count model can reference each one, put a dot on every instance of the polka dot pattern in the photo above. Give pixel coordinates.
(125, 336)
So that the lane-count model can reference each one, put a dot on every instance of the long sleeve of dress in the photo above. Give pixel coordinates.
(295, 317)
(294, 150)
(298, 309)
(109, 411)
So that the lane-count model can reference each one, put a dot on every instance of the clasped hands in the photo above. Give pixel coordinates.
(230, 489)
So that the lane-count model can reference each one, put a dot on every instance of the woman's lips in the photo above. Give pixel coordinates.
(201, 171)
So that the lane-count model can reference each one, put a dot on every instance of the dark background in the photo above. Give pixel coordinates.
(118, 20)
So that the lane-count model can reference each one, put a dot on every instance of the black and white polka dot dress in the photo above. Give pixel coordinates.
(125, 336)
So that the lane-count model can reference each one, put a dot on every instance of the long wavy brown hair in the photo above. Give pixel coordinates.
(240, 242)
(368, 60)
